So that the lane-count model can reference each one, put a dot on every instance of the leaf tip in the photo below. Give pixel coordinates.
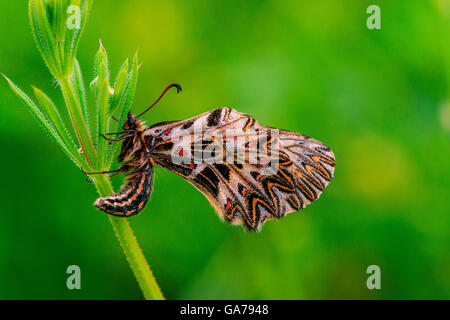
(10, 83)
(36, 90)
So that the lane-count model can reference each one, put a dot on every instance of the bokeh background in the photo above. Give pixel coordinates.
(378, 98)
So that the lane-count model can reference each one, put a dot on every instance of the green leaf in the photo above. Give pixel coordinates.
(119, 86)
(76, 116)
(55, 119)
(125, 101)
(129, 91)
(78, 83)
(43, 36)
(56, 33)
(73, 39)
(103, 123)
(101, 57)
(45, 123)
(101, 69)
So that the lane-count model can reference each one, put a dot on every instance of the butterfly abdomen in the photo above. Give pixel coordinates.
(132, 198)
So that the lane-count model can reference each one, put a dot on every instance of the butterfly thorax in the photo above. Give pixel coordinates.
(134, 144)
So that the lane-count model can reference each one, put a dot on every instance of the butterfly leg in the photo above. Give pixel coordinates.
(115, 172)
(123, 132)
(118, 139)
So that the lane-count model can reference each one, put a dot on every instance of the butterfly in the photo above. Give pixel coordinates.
(250, 173)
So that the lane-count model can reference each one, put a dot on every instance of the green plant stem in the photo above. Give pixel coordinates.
(78, 123)
(131, 248)
(124, 233)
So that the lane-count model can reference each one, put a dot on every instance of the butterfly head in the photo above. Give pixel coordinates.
(131, 122)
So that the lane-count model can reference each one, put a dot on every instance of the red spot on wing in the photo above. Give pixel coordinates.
(167, 132)
(244, 191)
(181, 152)
(228, 206)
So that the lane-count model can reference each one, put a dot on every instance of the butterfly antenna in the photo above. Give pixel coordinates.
(176, 85)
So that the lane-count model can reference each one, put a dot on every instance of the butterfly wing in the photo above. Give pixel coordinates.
(313, 165)
(250, 173)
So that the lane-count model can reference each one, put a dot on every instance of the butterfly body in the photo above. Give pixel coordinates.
(249, 173)
(134, 194)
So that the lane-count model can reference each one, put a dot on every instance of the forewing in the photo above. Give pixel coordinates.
(249, 173)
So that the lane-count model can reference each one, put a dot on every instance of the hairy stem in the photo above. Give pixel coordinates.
(76, 116)
(131, 248)
(122, 228)
(58, 43)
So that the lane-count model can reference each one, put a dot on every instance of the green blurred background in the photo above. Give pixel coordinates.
(378, 98)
